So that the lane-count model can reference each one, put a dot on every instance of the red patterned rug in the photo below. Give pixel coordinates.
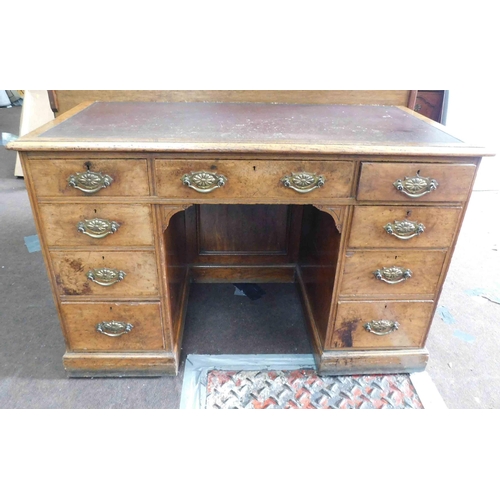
(305, 389)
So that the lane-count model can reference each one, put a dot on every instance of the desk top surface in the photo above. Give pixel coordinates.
(244, 127)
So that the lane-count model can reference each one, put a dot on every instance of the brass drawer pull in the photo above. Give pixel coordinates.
(203, 182)
(97, 228)
(105, 276)
(303, 182)
(404, 229)
(89, 182)
(393, 275)
(417, 186)
(381, 327)
(113, 328)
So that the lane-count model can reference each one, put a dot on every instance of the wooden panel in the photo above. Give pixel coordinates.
(413, 318)
(377, 181)
(373, 362)
(67, 99)
(319, 254)
(243, 229)
(60, 224)
(50, 177)
(359, 280)
(71, 269)
(368, 224)
(243, 274)
(81, 321)
(254, 179)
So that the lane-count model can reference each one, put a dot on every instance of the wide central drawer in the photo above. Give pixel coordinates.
(113, 326)
(97, 225)
(270, 179)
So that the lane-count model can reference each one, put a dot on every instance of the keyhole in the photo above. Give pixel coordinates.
(254, 168)
(103, 257)
(395, 257)
(386, 306)
(408, 213)
(418, 172)
(112, 308)
(88, 165)
(95, 210)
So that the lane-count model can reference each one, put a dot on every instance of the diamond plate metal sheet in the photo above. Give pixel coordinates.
(305, 389)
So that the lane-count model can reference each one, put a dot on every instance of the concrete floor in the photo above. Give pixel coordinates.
(464, 341)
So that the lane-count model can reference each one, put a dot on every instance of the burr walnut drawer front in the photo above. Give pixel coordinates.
(90, 177)
(404, 227)
(113, 326)
(392, 273)
(97, 225)
(270, 179)
(425, 182)
(372, 325)
(106, 274)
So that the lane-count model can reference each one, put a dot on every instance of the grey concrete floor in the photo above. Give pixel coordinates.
(464, 341)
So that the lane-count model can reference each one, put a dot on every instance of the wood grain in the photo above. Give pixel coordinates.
(71, 269)
(413, 317)
(81, 321)
(358, 279)
(376, 181)
(254, 179)
(60, 224)
(372, 362)
(67, 99)
(368, 226)
(243, 274)
(50, 176)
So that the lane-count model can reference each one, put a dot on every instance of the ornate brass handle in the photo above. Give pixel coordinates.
(89, 182)
(105, 276)
(381, 326)
(203, 182)
(97, 228)
(303, 182)
(404, 229)
(417, 186)
(113, 328)
(393, 275)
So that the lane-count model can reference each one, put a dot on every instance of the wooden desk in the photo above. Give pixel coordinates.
(359, 205)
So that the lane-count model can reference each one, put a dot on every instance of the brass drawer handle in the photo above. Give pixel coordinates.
(105, 276)
(89, 182)
(417, 186)
(381, 326)
(113, 328)
(203, 182)
(97, 228)
(404, 229)
(303, 182)
(393, 275)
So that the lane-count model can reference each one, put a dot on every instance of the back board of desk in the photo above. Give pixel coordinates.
(359, 205)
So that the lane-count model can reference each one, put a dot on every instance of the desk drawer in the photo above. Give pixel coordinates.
(391, 273)
(254, 179)
(422, 182)
(137, 326)
(406, 325)
(106, 274)
(96, 177)
(403, 227)
(111, 225)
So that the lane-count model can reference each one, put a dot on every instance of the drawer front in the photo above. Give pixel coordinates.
(391, 273)
(403, 227)
(243, 179)
(90, 177)
(141, 319)
(119, 225)
(426, 182)
(106, 274)
(354, 319)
